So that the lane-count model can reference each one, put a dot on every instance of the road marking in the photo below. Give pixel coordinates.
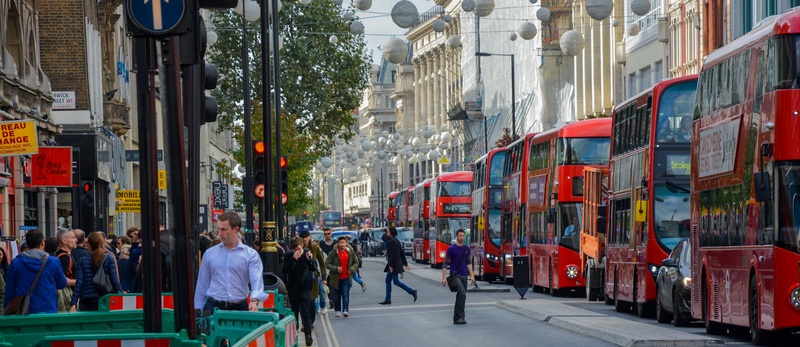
(418, 313)
(333, 334)
(417, 306)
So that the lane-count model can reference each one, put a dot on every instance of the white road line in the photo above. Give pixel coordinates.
(417, 313)
(418, 306)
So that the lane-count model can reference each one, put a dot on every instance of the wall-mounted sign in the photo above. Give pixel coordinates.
(52, 167)
(133, 155)
(128, 201)
(63, 100)
(18, 137)
(219, 191)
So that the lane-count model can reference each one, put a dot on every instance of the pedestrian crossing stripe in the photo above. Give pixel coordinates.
(129, 302)
(112, 343)
(265, 340)
(290, 334)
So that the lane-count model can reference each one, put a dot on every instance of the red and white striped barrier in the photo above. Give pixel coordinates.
(290, 334)
(268, 303)
(265, 340)
(130, 302)
(112, 343)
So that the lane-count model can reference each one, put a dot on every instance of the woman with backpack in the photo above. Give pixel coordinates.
(99, 264)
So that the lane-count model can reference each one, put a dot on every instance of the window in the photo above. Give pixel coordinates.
(675, 113)
(585, 151)
(725, 84)
(454, 189)
(539, 157)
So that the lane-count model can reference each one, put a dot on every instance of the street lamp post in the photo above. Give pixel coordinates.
(513, 97)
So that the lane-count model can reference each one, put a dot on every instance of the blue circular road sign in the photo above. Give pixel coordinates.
(157, 16)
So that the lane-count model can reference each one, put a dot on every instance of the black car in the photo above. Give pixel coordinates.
(674, 286)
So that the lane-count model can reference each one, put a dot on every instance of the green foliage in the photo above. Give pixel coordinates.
(321, 84)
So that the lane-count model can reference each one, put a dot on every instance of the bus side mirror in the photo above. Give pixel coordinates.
(762, 186)
(551, 215)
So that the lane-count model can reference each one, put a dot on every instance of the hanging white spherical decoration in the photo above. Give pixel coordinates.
(396, 161)
(381, 154)
(483, 8)
(395, 51)
(353, 172)
(362, 5)
(240, 6)
(319, 166)
(356, 27)
(416, 142)
(640, 7)
(405, 14)
(446, 136)
(333, 39)
(453, 41)
(382, 140)
(409, 148)
(599, 9)
(412, 159)
(436, 138)
(433, 154)
(454, 132)
(362, 165)
(543, 14)
(468, 5)
(338, 2)
(401, 130)
(396, 137)
(280, 7)
(633, 29)
(374, 144)
(615, 23)
(327, 162)
(401, 152)
(323, 170)
(211, 37)
(361, 153)
(447, 18)
(527, 30)
(349, 154)
(366, 146)
(534, 1)
(512, 36)
(439, 25)
(572, 43)
(428, 133)
(252, 12)
(424, 147)
(348, 16)
(305, 2)
(409, 154)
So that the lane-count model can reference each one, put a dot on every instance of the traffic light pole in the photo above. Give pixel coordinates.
(277, 106)
(269, 232)
(148, 161)
(248, 135)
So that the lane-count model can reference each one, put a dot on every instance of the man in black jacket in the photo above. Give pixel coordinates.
(395, 262)
(299, 270)
(80, 251)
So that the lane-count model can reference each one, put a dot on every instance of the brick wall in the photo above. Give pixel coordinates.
(62, 41)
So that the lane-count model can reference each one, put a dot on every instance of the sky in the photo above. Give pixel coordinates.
(378, 24)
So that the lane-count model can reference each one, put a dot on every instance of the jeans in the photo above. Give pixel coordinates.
(393, 278)
(357, 279)
(209, 306)
(319, 301)
(461, 297)
(341, 296)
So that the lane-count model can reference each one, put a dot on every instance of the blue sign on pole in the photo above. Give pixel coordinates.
(157, 16)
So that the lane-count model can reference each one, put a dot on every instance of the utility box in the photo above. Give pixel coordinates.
(521, 274)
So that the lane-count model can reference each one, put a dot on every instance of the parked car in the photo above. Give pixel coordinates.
(674, 286)
(376, 244)
(406, 237)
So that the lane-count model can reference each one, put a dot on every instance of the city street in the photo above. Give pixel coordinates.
(494, 318)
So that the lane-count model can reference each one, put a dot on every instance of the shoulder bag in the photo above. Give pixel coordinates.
(21, 304)
(451, 278)
(101, 280)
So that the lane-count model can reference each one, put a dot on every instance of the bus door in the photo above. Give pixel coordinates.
(505, 244)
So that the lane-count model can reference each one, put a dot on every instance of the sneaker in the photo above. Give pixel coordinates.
(460, 321)
(363, 286)
(338, 314)
(323, 311)
(345, 313)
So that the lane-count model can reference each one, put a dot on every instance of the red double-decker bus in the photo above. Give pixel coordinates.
(513, 205)
(648, 211)
(745, 185)
(391, 215)
(555, 163)
(451, 195)
(487, 194)
(410, 207)
(402, 207)
(422, 222)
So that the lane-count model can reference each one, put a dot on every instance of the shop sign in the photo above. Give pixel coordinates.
(52, 167)
(18, 138)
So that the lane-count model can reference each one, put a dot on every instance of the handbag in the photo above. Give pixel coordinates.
(451, 279)
(101, 281)
(21, 304)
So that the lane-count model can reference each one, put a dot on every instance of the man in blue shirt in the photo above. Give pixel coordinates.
(458, 256)
(227, 269)
(574, 228)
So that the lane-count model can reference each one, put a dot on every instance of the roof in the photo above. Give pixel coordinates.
(455, 176)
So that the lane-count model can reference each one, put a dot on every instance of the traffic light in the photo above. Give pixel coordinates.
(87, 193)
(284, 179)
(259, 167)
(305, 215)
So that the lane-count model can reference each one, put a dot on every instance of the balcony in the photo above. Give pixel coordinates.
(115, 114)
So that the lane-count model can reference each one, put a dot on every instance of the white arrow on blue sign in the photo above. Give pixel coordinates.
(157, 16)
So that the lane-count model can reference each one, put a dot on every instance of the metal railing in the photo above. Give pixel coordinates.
(433, 12)
(648, 19)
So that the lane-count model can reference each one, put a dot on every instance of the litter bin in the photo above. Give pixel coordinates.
(521, 274)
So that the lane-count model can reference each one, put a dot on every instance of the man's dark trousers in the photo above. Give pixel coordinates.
(461, 297)
(303, 307)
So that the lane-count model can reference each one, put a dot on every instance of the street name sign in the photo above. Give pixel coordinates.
(157, 17)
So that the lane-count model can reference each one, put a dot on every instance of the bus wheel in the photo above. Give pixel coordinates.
(758, 336)
(553, 292)
(662, 316)
(591, 293)
(712, 328)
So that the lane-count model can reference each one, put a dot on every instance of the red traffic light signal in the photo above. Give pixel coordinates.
(87, 187)
(283, 162)
(258, 146)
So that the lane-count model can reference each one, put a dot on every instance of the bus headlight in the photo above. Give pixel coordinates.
(441, 255)
(428, 251)
(572, 271)
(687, 282)
(795, 298)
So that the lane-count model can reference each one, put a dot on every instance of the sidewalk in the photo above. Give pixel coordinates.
(434, 276)
(620, 331)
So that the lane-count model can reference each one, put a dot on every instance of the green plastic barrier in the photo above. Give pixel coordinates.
(235, 325)
(287, 332)
(117, 302)
(262, 336)
(20, 331)
(146, 340)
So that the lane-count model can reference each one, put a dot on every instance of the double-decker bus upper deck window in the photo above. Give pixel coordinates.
(496, 168)
(586, 151)
(725, 84)
(675, 113)
(454, 189)
(391, 201)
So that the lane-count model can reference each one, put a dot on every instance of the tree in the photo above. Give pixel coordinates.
(505, 139)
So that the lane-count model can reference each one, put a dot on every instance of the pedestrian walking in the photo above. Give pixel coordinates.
(227, 269)
(328, 244)
(395, 262)
(124, 245)
(320, 271)
(458, 257)
(67, 243)
(353, 245)
(85, 289)
(299, 268)
(3, 272)
(51, 245)
(80, 250)
(26, 268)
(342, 264)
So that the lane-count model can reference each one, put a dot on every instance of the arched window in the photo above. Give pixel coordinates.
(32, 50)
(14, 36)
